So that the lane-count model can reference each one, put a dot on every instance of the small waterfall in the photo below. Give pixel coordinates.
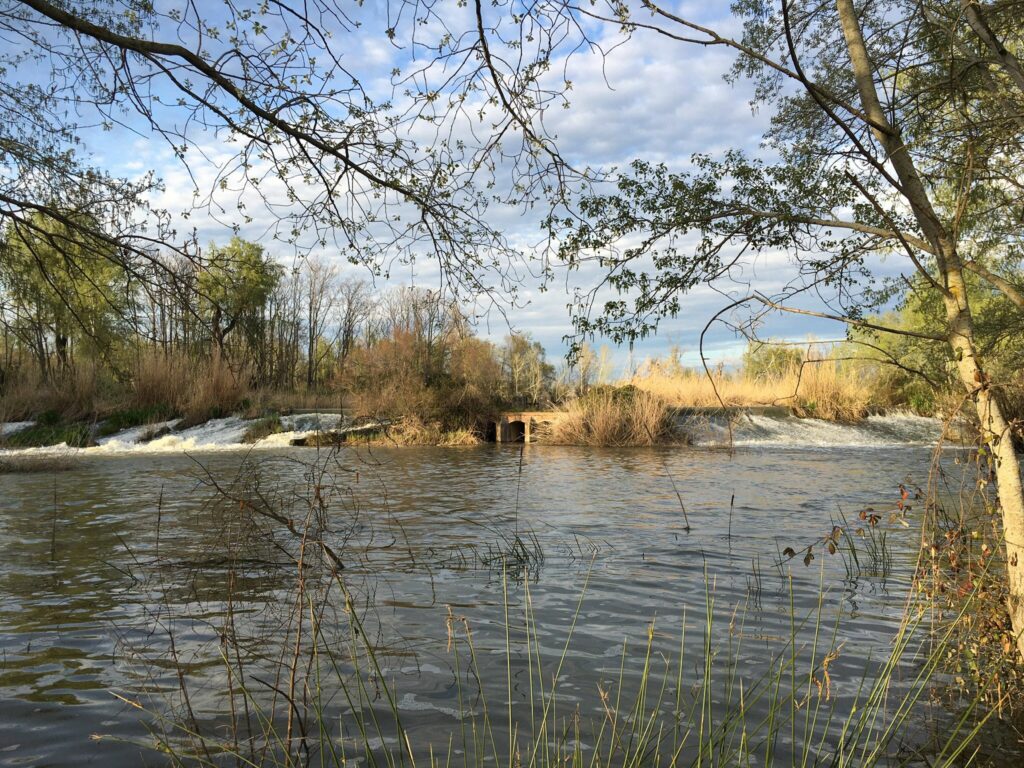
(763, 429)
(10, 427)
(750, 429)
(214, 435)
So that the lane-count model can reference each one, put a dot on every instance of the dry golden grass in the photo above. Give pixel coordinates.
(818, 387)
(80, 395)
(216, 388)
(610, 417)
(414, 431)
(21, 398)
(182, 385)
(162, 380)
(167, 384)
(263, 401)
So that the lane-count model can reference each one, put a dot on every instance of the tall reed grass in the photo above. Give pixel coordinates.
(659, 711)
(157, 385)
(81, 394)
(816, 386)
(607, 416)
(194, 389)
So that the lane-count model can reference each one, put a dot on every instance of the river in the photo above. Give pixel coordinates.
(140, 568)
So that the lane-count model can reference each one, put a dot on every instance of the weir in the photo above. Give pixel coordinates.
(751, 427)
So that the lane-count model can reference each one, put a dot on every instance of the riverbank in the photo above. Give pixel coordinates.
(658, 407)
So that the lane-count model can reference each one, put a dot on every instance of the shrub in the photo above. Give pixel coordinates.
(615, 417)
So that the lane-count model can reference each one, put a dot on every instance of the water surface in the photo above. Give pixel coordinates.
(101, 564)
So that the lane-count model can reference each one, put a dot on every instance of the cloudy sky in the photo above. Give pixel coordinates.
(649, 97)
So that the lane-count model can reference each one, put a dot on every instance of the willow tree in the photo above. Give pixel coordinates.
(896, 128)
(62, 295)
(234, 285)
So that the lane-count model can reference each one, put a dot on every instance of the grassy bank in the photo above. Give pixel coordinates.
(447, 409)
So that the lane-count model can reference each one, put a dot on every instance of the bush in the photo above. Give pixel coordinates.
(770, 361)
(134, 417)
(39, 435)
(613, 416)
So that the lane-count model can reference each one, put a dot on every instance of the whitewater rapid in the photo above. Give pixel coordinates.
(224, 434)
(749, 429)
(752, 429)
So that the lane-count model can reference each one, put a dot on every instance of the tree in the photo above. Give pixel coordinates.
(527, 375)
(60, 293)
(356, 306)
(770, 360)
(321, 299)
(235, 284)
(269, 80)
(896, 129)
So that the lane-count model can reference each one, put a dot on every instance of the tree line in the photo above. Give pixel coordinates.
(307, 327)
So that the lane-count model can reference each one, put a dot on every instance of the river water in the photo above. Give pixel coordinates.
(140, 585)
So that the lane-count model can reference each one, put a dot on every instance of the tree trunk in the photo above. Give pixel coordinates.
(995, 431)
(60, 343)
(997, 435)
(310, 362)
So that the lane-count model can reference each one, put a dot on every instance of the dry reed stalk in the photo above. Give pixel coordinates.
(162, 380)
(80, 394)
(615, 418)
(22, 396)
(817, 387)
(413, 430)
(216, 389)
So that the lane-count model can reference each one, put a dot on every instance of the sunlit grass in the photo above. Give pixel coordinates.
(817, 387)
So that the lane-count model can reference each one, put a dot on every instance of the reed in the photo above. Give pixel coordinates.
(659, 710)
(417, 431)
(262, 428)
(216, 390)
(814, 387)
(606, 416)
(163, 381)
(81, 393)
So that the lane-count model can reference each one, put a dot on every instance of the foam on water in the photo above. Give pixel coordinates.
(128, 438)
(214, 435)
(298, 426)
(753, 429)
(749, 429)
(10, 427)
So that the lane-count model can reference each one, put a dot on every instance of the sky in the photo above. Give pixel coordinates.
(649, 97)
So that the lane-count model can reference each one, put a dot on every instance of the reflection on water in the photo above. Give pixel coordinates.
(102, 565)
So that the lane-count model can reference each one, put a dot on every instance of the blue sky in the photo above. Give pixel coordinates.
(649, 98)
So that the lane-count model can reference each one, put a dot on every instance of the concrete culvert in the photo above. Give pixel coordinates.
(516, 432)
